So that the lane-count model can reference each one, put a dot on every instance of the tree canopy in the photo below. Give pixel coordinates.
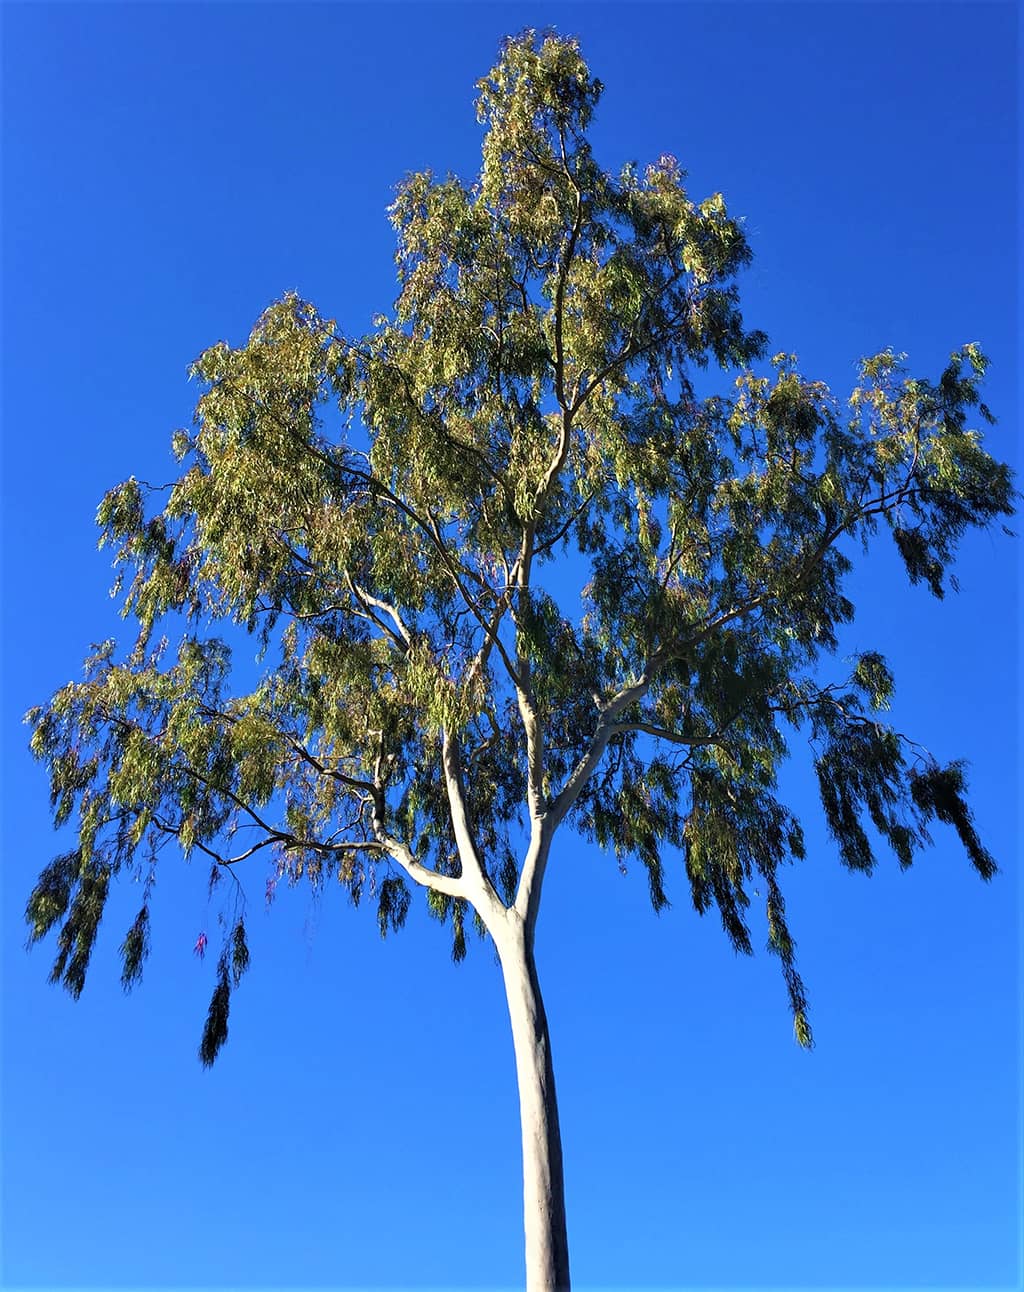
(507, 562)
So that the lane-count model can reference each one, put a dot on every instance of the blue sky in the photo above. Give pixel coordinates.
(167, 172)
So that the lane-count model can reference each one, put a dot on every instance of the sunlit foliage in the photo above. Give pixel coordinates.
(503, 556)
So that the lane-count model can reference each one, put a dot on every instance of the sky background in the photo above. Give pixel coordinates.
(168, 171)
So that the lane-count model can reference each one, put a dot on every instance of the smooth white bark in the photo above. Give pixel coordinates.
(547, 1244)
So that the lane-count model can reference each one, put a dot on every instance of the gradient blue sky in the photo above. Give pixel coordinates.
(168, 170)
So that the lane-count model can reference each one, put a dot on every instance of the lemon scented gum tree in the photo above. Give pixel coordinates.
(436, 714)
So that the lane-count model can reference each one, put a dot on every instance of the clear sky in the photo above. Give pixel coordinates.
(168, 170)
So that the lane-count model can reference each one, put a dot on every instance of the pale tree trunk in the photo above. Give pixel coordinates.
(547, 1244)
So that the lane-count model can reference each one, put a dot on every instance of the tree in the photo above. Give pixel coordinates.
(393, 519)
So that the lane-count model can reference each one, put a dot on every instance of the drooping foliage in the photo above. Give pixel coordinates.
(506, 564)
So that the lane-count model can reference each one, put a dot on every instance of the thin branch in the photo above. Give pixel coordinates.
(559, 301)
(474, 609)
(549, 543)
(474, 873)
(663, 733)
(366, 787)
(402, 638)
(604, 731)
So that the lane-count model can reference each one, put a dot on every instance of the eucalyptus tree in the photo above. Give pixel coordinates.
(395, 518)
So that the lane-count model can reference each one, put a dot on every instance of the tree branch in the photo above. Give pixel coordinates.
(422, 875)
(606, 728)
(402, 638)
(474, 874)
(662, 733)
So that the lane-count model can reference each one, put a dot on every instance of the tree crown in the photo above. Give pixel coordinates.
(394, 517)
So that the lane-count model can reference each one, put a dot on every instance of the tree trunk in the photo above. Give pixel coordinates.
(547, 1244)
